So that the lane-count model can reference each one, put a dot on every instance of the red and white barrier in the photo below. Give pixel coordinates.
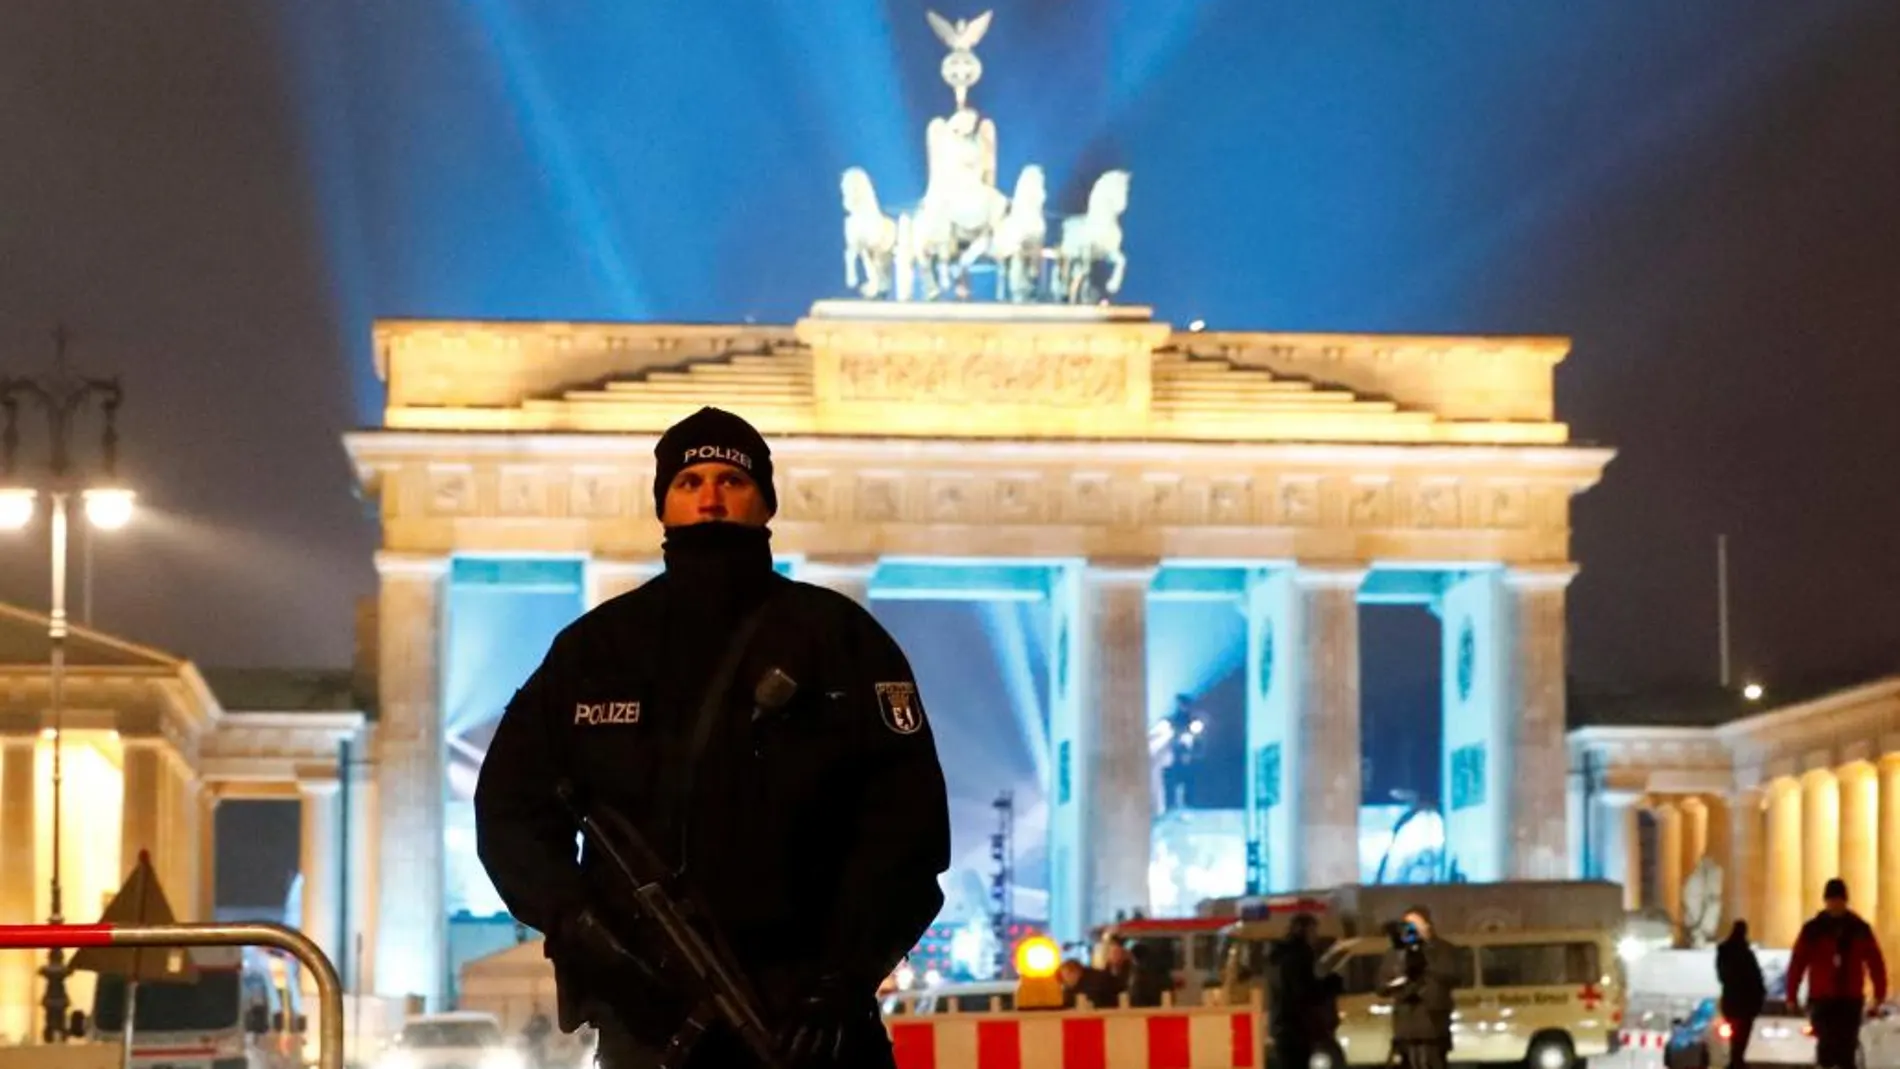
(1199, 1038)
(1645, 1040)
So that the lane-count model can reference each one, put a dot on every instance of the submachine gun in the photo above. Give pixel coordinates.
(715, 985)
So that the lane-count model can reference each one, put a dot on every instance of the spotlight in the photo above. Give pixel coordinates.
(16, 508)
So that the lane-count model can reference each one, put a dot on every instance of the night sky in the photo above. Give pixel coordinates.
(217, 197)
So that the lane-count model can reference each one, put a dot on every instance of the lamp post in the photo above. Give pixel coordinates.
(61, 397)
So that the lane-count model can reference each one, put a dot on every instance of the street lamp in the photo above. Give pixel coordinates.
(61, 397)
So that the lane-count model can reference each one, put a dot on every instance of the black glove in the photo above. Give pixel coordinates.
(822, 1023)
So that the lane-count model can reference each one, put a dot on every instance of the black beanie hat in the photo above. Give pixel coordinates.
(712, 434)
(1836, 888)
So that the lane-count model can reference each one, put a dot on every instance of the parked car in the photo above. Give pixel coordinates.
(1782, 1036)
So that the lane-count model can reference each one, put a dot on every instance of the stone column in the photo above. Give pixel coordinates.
(317, 861)
(1859, 864)
(1113, 688)
(365, 848)
(1272, 704)
(608, 578)
(848, 576)
(1479, 711)
(138, 811)
(1820, 836)
(1888, 860)
(1536, 759)
(1669, 874)
(1695, 832)
(208, 856)
(1781, 912)
(1633, 896)
(178, 885)
(1578, 818)
(1746, 867)
(411, 927)
(1617, 843)
(1323, 773)
(190, 838)
(19, 880)
(1715, 831)
(1068, 728)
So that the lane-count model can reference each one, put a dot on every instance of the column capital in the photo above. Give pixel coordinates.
(624, 566)
(1857, 757)
(317, 785)
(391, 564)
(1617, 798)
(1889, 760)
(842, 568)
(1816, 763)
(1330, 575)
(1121, 571)
(1539, 577)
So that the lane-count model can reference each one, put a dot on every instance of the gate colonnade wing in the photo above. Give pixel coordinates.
(1782, 801)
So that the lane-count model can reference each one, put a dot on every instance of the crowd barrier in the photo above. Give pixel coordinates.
(1643, 1039)
(1207, 1037)
(329, 990)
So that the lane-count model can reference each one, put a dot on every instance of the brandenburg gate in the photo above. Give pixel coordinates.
(1106, 456)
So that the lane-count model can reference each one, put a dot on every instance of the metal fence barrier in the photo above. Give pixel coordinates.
(276, 936)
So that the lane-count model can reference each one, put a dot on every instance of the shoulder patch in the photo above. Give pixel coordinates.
(903, 710)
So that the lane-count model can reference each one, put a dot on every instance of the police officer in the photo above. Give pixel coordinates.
(808, 811)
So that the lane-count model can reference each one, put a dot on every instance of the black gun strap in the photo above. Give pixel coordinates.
(707, 716)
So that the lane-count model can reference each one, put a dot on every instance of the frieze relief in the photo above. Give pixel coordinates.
(984, 377)
(1163, 500)
(1091, 500)
(1230, 502)
(451, 490)
(1437, 504)
(952, 500)
(1299, 501)
(1369, 503)
(879, 498)
(1506, 505)
(523, 492)
(806, 496)
(1019, 499)
(598, 493)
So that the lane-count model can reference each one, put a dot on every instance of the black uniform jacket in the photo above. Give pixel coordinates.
(814, 833)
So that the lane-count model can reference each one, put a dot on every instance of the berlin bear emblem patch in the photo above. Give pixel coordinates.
(903, 710)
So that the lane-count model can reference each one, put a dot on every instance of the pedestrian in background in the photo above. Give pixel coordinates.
(1743, 990)
(1840, 959)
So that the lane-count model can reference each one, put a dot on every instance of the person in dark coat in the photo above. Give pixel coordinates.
(1419, 977)
(1302, 1013)
(767, 737)
(1743, 990)
(1840, 959)
(1098, 986)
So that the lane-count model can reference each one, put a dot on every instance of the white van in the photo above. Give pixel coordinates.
(1541, 999)
(239, 1014)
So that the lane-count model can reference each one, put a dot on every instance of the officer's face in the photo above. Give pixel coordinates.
(709, 492)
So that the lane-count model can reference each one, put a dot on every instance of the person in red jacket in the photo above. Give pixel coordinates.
(1838, 955)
